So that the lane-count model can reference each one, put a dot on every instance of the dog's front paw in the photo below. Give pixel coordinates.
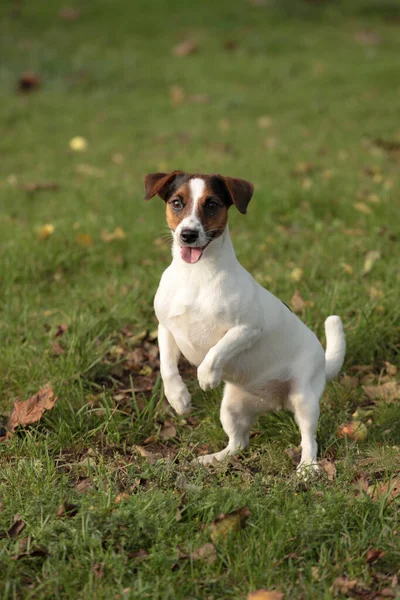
(209, 378)
(179, 398)
(308, 470)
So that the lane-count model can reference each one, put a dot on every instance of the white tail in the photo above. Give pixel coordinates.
(335, 346)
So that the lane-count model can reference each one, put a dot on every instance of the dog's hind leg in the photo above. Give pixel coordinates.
(304, 402)
(238, 411)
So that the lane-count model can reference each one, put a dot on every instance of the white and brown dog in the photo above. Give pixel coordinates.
(212, 311)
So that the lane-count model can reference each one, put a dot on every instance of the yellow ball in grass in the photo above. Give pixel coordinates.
(78, 144)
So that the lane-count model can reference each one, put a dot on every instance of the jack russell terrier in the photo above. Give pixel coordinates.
(212, 311)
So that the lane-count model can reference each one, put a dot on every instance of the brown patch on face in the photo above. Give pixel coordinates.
(213, 208)
(174, 214)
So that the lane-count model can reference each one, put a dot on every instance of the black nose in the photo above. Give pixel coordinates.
(189, 235)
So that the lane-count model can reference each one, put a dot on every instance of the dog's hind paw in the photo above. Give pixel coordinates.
(208, 459)
(306, 471)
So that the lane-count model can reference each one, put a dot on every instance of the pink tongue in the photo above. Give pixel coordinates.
(191, 255)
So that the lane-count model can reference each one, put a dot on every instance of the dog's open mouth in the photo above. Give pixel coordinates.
(193, 254)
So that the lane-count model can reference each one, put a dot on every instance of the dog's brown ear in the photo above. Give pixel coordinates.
(240, 192)
(158, 183)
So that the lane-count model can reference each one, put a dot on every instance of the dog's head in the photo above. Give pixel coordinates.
(197, 206)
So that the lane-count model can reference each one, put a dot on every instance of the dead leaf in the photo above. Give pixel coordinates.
(386, 593)
(227, 523)
(61, 329)
(264, 594)
(39, 186)
(46, 231)
(98, 570)
(355, 430)
(117, 234)
(66, 509)
(297, 302)
(349, 382)
(185, 48)
(168, 431)
(294, 454)
(68, 13)
(138, 555)
(369, 261)
(177, 95)
(390, 369)
(304, 168)
(17, 527)
(29, 411)
(363, 208)
(122, 498)
(387, 391)
(34, 553)
(390, 489)
(206, 553)
(57, 349)
(83, 485)
(29, 82)
(150, 456)
(328, 467)
(296, 274)
(343, 585)
(84, 239)
(367, 38)
(373, 555)
(264, 122)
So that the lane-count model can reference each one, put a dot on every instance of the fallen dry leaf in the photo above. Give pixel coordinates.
(373, 555)
(343, 585)
(168, 431)
(34, 553)
(78, 144)
(177, 95)
(122, 498)
(390, 489)
(39, 186)
(369, 261)
(117, 234)
(61, 329)
(207, 553)
(185, 48)
(57, 349)
(150, 456)
(66, 509)
(98, 570)
(227, 523)
(68, 13)
(84, 239)
(264, 594)
(355, 430)
(389, 368)
(29, 411)
(46, 231)
(297, 302)
(29, 82)
(328, 467)
(264, 122)
(294, 454)
(17, 527)
(363, 208)
(297, 274)
(83, 485)
(387, 391)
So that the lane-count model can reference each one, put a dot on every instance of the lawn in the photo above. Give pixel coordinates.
(301, 98)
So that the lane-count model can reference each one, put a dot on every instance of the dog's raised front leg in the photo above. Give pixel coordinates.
(175, 390)
(236, 340)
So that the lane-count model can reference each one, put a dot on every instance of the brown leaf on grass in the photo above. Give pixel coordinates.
(16, 528)
(227, 523)
(294, 454)
(122, 498)
(57, 349)
(29, 82)
(177, 95)
(351, 383)
(389, 391)
(61, 329)
(389, 368)
(304, 168)
(264, 594)
(139, 555)
(84, 239)
(328, 467)
(66, 509)
(98, 570)
(168, 430)
(370, 259)
(206, 553)
(185, 48)
(373, 555)
(117, 234)
(69, 13)
(297, 302)
(34, 553)
(390, 489)
(29, 411)
(150, 456)
(343, 585)
(367, 38)
(83, 485)
(39, 186)
(363, 208)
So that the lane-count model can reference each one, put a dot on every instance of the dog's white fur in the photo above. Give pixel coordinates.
(233, 330)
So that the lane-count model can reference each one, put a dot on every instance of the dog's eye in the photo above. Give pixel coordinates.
(177, 203)
(212, 206)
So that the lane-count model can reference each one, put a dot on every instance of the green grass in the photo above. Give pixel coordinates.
(326, 75)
